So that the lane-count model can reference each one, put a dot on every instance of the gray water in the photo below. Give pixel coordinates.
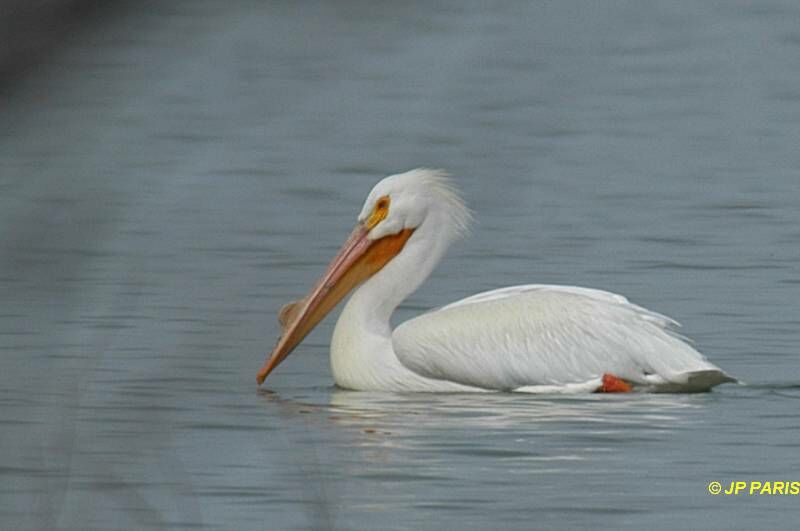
(177, 171)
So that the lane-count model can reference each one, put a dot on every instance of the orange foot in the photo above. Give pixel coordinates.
(612, 384)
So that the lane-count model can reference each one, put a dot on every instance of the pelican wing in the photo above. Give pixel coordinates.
(542, 335)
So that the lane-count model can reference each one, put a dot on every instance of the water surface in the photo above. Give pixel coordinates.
(173, 176)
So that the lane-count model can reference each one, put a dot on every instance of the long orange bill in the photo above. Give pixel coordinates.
(358, 259)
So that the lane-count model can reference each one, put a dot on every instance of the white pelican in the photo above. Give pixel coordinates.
(531, 338)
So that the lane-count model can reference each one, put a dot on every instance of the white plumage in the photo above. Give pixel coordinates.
(540, 336)
(532, 338)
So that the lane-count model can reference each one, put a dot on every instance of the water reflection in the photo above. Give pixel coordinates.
(444, 421)
(466, 453)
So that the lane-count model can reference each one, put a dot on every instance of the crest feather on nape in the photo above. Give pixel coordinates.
(443, 186)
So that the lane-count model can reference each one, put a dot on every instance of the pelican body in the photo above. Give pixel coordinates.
(529, 338)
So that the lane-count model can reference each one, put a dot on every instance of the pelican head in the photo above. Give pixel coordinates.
(394, 211)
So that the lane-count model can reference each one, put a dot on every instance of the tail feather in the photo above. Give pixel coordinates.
(694, 382)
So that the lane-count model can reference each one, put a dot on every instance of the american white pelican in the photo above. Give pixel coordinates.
(533, 338)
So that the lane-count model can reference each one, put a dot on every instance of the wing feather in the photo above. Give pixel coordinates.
(548, 335)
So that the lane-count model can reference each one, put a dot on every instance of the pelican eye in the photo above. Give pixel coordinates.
(379, 212)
